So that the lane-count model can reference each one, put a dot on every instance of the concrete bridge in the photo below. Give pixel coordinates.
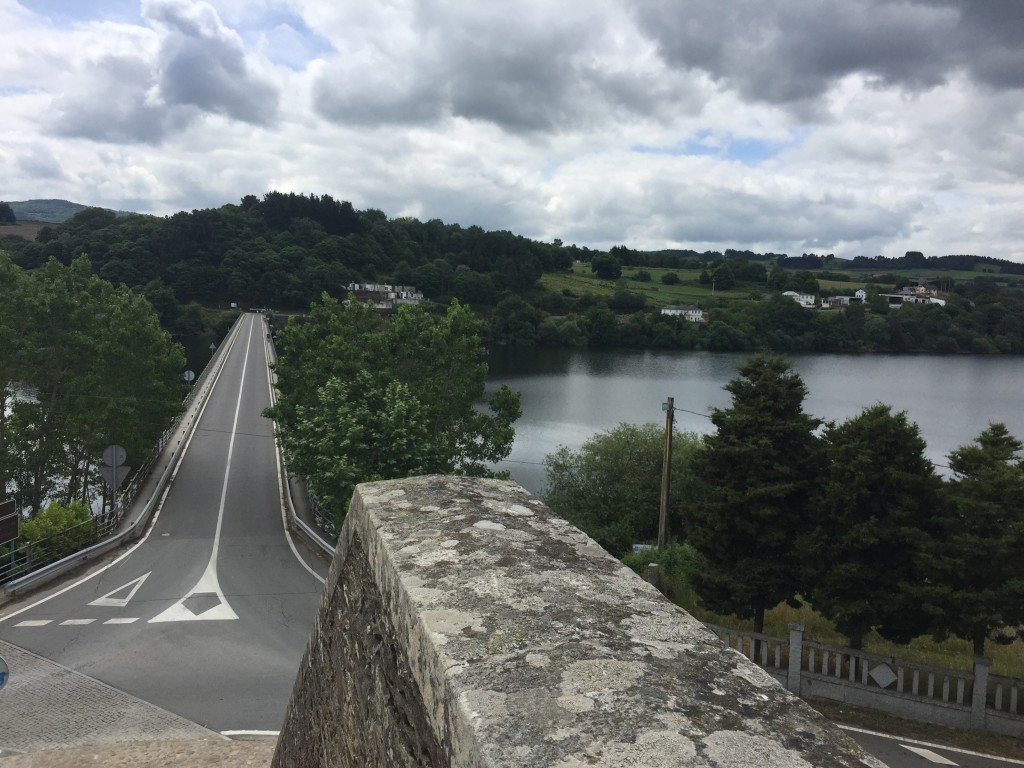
(464, 624)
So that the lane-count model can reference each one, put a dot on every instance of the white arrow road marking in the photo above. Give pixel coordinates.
(927, 754)
(121, 602)
(213, 606)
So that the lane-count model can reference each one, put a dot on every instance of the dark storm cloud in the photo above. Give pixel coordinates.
(538, 71)
(795, 50)
(203, 65)
(524, 73)
(112, 106)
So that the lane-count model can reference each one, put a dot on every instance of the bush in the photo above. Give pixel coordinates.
(678, 563)
(670, 278)
(57, 531)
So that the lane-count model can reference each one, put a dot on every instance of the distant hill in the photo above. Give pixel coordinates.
(53, 211)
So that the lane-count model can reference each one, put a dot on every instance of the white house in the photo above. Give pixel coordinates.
(807, 300)
(688, 311)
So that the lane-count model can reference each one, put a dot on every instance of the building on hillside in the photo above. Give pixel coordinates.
(897, 300)
(687, 311)
(807, 300)
(838, 302)
(386, 297)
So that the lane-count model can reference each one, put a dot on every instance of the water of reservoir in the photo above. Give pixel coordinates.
(569, 395)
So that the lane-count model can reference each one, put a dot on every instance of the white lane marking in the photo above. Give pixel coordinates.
(76, 622)
(156, 512)
(34, 623)
(121, 602)
(927, 754)
(904, 742)
(122, 620)
(230, 734)
(280, 485)
(208, 583)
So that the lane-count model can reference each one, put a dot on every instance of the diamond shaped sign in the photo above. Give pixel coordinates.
(883, 675)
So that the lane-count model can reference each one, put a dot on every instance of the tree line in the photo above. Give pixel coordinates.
(284, 250)
(851, 517)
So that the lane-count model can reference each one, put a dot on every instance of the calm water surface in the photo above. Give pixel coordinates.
(568, 395)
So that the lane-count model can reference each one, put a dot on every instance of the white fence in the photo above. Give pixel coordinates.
(973, 700)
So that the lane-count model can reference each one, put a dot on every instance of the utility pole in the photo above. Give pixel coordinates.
(666, 473)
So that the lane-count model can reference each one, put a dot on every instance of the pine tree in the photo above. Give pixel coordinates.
(760, 467)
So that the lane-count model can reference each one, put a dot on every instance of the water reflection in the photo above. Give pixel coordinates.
(568, 395)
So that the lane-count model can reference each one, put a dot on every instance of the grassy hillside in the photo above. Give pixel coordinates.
(53, 211)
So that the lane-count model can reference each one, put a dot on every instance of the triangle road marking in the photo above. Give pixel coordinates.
(120, 602)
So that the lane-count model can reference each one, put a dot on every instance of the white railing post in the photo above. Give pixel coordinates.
(979, 696)
(796, 652)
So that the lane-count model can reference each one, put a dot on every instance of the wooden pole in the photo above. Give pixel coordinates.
(666, 472)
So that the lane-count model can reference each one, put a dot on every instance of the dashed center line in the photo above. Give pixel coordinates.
(75, 622)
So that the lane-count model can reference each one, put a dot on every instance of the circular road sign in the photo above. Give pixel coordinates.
(189, 376)
(114, 455)
(5, 673)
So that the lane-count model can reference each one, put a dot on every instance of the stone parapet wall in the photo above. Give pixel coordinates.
(464, 624)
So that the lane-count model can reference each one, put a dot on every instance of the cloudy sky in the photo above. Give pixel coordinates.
(856, 127)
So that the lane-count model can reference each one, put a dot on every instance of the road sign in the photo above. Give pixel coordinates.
(9, 520)
(114, 476)
(189, 376)
(114, 455)
(5, 672)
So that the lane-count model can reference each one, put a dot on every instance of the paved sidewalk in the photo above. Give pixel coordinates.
(48, 706)
(154, 754)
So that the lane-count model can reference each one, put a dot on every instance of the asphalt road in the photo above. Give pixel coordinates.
(909, 753)
(208, 616)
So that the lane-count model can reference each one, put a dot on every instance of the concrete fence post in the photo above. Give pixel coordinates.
(979, 697)
(796, 653)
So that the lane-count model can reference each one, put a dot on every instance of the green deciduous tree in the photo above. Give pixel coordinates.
(611, 487)
(365, 429)
(606, 266)
(101, 371)
(876, 502)
(976, 567)
(761, 463)
(354, 378)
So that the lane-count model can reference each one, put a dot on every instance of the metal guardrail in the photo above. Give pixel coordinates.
(134, 528)
(311, 534)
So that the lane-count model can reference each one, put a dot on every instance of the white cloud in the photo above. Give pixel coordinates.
(875, 127)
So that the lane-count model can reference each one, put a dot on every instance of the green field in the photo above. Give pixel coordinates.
(689, 290)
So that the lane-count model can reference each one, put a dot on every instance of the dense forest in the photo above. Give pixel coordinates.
(285, 250)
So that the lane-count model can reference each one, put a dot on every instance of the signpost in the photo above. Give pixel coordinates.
(116, 470)
(9, 521)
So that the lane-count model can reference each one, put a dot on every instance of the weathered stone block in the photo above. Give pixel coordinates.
(464, 624)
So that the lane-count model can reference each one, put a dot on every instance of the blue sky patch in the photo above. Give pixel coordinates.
(71, 12)
(704, 143)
